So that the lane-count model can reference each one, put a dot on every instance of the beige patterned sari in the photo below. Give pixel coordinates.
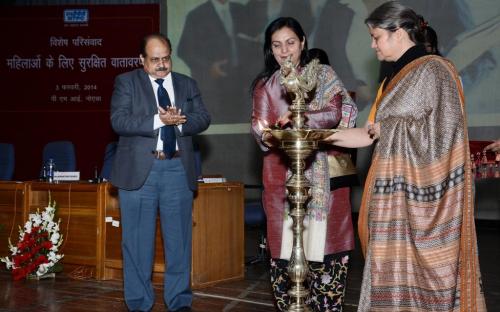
(417, 216)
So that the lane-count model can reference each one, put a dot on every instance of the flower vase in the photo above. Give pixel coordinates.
(39, 277)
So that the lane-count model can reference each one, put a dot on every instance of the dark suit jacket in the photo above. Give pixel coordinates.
(204, 41)
(331, 35)
(133, 106)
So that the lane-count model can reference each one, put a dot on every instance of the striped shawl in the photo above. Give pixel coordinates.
(416, 221)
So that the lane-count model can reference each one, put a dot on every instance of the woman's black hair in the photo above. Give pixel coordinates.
(431, 38)
(319, 54)
(270, 64)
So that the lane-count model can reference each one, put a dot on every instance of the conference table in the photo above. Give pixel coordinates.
(90, 225)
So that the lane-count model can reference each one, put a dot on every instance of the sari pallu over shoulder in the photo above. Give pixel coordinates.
(416, 219)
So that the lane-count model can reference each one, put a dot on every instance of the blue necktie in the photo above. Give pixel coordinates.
(167, 132)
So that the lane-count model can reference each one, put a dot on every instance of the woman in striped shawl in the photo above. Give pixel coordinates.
(329, 236)
(416, 220)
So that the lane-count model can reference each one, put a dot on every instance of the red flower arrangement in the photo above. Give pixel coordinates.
(36, 252)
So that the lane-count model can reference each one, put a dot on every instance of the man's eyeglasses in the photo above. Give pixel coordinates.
(156, 60)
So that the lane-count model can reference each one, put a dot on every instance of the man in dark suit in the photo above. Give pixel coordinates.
(216, 56)
(156, 112)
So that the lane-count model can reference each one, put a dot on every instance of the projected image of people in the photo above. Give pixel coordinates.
(325, 22)
(209, 45)
(469, 35)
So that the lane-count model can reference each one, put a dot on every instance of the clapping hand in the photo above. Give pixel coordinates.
(171, 116)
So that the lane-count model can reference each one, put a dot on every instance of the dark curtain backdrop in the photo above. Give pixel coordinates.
(468, 31)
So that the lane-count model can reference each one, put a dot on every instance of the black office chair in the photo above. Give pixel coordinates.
(63, 154)
(6, 161)
(256, 217)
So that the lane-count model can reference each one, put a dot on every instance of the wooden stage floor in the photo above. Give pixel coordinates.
(66, 293)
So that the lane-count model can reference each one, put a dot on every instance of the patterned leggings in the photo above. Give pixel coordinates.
(326, 282)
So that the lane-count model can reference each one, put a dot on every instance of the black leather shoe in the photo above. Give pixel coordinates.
(183, 309)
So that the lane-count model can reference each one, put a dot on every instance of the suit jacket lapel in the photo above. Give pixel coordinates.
(178, 91)
(149, 92)
(149, 95)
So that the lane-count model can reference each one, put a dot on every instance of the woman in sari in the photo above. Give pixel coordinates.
(329, 235)
(416, 220)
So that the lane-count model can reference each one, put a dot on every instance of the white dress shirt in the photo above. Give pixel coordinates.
(167, 84)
